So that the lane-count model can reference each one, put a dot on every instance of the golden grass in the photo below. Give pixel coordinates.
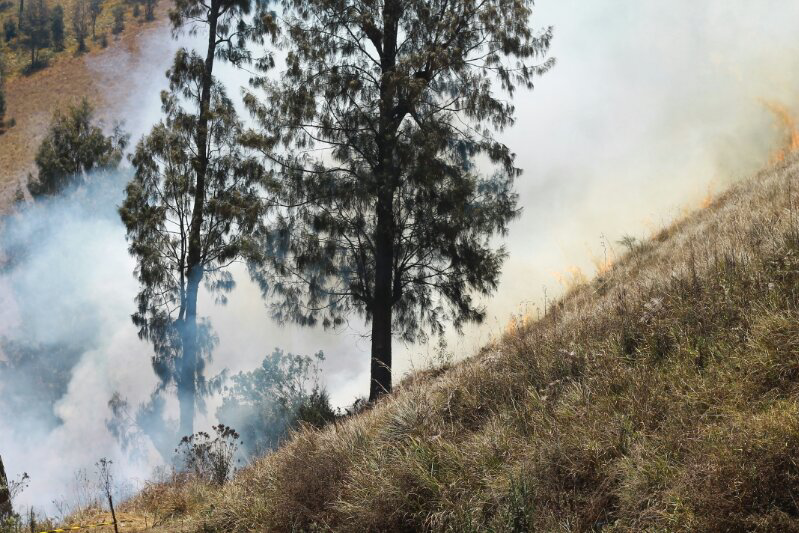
(660, 396)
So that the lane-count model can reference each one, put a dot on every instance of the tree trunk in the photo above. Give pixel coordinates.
(382, 304)
(383, 299)
(5, 495)
(187, 372)
(187, 386)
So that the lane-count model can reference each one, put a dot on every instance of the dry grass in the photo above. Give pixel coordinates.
(661, 396)
(31, 100)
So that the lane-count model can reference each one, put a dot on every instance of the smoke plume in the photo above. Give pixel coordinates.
(652, 108)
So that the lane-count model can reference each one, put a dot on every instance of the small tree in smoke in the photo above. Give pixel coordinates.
(394, 220)
(195, 200)
(74, 146)
(10, 489)
(80, 22)
(268, 401)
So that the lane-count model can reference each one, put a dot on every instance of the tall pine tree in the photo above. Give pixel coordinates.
(195, 199)
(381, 127)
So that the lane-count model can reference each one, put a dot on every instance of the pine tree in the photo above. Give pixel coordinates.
(149, 9)
(2, 98)
(119, 20)
(194, 201)
(2, 107)
(95, 8)
(74, 146)
(80, 23)
(35, 28)
(395, 218)
(57, 28)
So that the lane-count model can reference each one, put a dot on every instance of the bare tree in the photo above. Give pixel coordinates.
(106, 485)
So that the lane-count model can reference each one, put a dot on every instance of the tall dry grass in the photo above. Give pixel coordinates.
(660, 396)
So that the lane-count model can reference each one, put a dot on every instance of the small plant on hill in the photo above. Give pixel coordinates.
(106, 486)
(279, 395)
(315, 410)
(9, 30)
(209, 458)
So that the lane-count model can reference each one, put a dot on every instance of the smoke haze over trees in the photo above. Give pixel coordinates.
(569, 120)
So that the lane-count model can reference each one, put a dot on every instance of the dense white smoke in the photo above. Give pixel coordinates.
(66, 294)
(650, 106)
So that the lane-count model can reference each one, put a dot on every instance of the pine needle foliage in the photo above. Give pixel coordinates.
(195, 201)
(75, 146)
(376, 128)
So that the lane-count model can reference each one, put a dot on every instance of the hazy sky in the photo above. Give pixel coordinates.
(651, 106)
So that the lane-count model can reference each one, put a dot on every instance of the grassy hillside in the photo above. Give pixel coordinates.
(32, 99)
(662, 395)
(16, 57)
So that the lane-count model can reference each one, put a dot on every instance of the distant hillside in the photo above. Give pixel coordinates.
(662, 395)
(32, 99)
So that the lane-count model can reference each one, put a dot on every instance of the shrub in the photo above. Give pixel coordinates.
(57, 28)
(209, 459)
(9, 29)
(265, 403)
(315, 409)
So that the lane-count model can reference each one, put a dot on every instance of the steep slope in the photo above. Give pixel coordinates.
(660, 396)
